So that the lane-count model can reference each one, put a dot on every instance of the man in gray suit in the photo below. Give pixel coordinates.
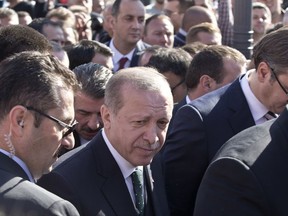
(36, 119)
(248, 176)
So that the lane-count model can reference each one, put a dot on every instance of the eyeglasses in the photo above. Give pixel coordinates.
(274, 74)
(70, 128)
(180, 83)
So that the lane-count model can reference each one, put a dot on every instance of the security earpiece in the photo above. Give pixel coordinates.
(21, 123)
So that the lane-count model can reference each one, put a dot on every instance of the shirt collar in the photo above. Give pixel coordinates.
(20, 163)
(125, 167)
(182, 31)
(258, 110)
(117, 55)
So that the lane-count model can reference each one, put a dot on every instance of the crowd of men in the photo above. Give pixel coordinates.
(131, 107)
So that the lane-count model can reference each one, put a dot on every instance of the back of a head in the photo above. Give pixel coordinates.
(93, 79)
(210, 61)
(137, 78)
(196, 15)
(84, 51)
(62, 15)
(31, 78)
(38, 24)
(193, 48)
(272, 48)
(18, 38)
(210, 28)
(173, 60)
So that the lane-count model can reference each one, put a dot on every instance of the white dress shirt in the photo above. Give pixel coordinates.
(258, 110)
(126, 168)
(117, 56)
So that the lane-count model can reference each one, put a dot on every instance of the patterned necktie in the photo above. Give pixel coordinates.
(137, 180)
(270, 115)
(122, 62)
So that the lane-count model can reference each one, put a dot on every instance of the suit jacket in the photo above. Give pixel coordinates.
(249, 174)
(185, 154)
(140, 46)
(230, 116)
(176, 107)
(18, 196)
(91, 179)
(179, 40)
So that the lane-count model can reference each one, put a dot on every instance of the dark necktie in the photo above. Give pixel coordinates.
(137, 180)
(270, 115)
(122, 62)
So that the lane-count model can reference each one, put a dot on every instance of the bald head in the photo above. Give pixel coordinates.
(196, 15)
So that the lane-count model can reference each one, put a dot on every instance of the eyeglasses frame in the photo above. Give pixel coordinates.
(180, 83)
(70, 128)
(278, 81)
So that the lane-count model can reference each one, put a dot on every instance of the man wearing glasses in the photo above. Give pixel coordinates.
(257, 96)
(36, 121)
(248, 175)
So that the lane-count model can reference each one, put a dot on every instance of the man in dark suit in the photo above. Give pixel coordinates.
(36, 121)
(98, 177)
(249, 99)
(248, 175)
(232, 113)
(128, 21)
(185, 150)
(225, 65)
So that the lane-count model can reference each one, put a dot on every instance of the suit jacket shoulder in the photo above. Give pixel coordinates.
(185, 154)
(18, 196)
(230, 116)
(90, 178)
(246, 175)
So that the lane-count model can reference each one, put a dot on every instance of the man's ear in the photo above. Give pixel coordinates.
(263, 71)
(17, 117)
(206, 82)
(112, 21)
(106, 116)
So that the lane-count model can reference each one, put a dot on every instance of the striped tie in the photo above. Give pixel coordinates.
(270, 115)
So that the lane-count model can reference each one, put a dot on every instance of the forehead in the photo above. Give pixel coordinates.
(138, 100)
(160, 22)
(131, 7)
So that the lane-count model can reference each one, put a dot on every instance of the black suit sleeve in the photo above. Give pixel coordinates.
(229, 187)
(185, 160)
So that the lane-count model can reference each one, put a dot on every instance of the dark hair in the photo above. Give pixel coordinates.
(18, 38)
(93, 79)
(272, 48)
(173, 60)
(33, 79)
(84, 51)
(209, 62)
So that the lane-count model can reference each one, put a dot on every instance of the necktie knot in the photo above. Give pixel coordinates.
(122, 62)
(138, 187)
(270, 115)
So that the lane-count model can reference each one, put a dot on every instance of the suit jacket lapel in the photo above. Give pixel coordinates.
(114, 187)
(157, 200)
(12, 167)
(242, 117)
